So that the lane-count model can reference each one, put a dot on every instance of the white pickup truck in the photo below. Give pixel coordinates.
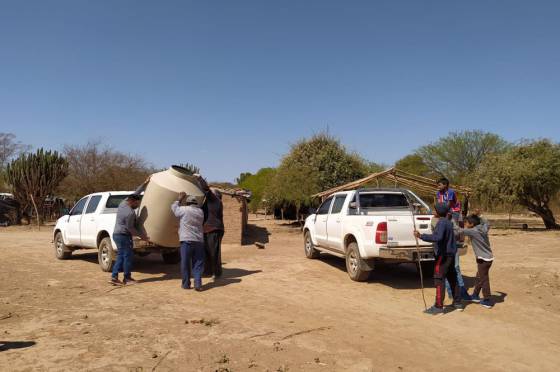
(90, 224)
(368, 225)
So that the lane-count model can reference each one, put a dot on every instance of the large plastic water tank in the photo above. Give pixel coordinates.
(155, 210)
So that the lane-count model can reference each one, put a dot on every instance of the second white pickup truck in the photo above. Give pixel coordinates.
(367, 225)
(90, 224)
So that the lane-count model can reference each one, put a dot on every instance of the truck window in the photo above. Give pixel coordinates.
(379, 200)
(114, 200)
(338, 203)
(93, 203)
(324, 208)
(79, 207)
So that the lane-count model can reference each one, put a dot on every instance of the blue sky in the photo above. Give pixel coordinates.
(229, 85)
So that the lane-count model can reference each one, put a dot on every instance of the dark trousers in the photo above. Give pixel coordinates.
(483, 278)
(124, 255)
(192, 253)
(445, 269)
(213, 245)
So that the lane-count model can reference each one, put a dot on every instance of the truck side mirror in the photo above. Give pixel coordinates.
(352, 205)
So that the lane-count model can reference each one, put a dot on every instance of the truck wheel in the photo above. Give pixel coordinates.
(171, 258)
(427, 269)
(106, 254)
(61, 251)
(353, 264)
(310, 251)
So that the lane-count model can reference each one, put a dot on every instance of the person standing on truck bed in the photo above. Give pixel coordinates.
(444, 266)
(447, 195)
(191, 235)
(127, 226)
(213, 228)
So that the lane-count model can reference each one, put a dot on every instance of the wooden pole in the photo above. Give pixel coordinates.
(36, 211)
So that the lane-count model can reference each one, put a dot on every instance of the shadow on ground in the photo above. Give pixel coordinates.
(8, 345)
(255, 234)
(398, 276)
(230, 276)
(153, 264)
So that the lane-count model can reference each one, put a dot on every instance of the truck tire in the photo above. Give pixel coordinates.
(310, 251)
(61, 251)
(171, 258)
(354, 266)
(106, 254)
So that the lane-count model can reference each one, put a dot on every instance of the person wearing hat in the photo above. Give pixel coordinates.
(445, 249)
(191, 235)
(127, 226)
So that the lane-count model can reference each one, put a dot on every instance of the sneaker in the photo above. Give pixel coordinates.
(487, 303)
(458, 306)
(198, 289)
(475, 298)
(465, 295)
(129, 281)
(115, 281)
(434, 310)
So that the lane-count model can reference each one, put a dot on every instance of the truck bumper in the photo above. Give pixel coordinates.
(410, 254)
(407, 254)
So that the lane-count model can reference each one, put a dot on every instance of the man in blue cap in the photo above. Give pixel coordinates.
(444, 266)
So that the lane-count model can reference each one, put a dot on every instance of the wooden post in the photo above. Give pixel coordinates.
(36, 211)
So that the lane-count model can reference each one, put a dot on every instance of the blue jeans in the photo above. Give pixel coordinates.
(460, 282)
(192, 252)
(124, 255)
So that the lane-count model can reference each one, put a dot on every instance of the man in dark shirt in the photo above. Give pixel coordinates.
(444, 266)
(126, 226)
(213, 228)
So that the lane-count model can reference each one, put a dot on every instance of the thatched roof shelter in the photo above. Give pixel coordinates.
(399, 178)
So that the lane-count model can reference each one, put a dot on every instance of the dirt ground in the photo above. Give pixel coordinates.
(274, 310)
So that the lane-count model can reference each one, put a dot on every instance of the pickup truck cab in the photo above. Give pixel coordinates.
(90, 224)
(369, 225)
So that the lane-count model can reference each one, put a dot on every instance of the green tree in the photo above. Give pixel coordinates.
(458, 155)
(191, 168)
(35, 176)
(314, 165)
(528, 174)
(293, 185)
(242, 177)
(257, 183)
(414, 164)
(9, 148)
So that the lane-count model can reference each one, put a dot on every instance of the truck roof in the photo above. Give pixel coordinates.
(111, 193)
(377, 189)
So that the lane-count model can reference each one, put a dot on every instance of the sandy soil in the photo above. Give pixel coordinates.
(274, 310)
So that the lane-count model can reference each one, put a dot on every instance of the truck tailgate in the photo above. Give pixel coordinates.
(400, 229)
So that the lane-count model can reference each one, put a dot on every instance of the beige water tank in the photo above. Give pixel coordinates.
(155, 210)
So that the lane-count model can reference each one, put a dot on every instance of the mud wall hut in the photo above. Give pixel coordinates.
(235, 217)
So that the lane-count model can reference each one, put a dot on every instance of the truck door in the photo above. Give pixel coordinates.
(334, 224)
(74, 222)
(321, 222)
(88, 228)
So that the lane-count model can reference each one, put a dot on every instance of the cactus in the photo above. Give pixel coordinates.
(34, 176)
